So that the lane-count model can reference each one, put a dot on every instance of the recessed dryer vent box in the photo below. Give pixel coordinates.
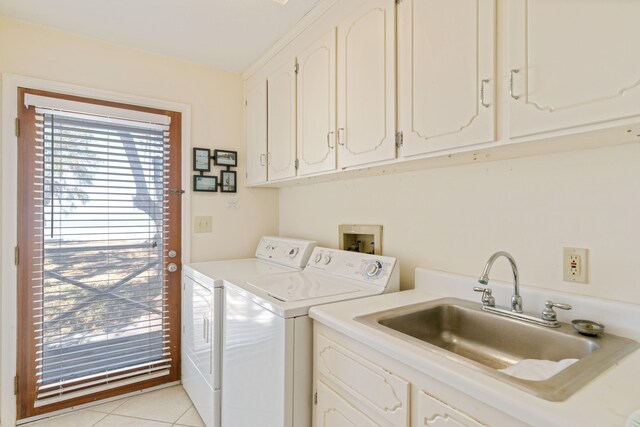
(361, 238)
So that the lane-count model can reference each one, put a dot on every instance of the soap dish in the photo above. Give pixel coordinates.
(588, 327)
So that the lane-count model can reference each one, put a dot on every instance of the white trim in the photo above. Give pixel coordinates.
(8, 296)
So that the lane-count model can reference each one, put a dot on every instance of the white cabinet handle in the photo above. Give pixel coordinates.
(268, 158)
(329, 134)
(263, 160)
(485, 105)
(514, 71)
(341, 136)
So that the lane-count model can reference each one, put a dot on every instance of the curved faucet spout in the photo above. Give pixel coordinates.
(516, 299)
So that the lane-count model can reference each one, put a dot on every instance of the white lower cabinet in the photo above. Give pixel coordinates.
(385, 395)
(334, 411)
(435, 413)
(355, 385)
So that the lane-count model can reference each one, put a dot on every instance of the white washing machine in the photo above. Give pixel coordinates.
(268, 339)
(202, 314)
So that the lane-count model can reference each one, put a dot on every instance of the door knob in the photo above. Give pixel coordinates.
(172, 267)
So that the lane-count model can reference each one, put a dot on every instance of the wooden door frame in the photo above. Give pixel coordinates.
(11, 83)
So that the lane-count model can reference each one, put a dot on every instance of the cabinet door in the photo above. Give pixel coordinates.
(434, 413)
(572, 63)
(317, 106)
(256, 134)
(366, 85)
(332, 410)
(446, 85)
(282, 123)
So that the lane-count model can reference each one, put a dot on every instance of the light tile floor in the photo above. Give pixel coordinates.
(166, 407)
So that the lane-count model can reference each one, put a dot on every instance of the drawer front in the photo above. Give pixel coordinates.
(434, 413)
(386, 394)
(333, 411)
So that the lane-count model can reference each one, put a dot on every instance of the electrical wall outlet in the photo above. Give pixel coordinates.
(203, 224)
(575, 265)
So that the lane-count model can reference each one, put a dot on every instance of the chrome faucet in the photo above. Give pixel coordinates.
(516, 299)
(549, 317)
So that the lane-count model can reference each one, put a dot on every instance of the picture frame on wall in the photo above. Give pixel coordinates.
(205, 183)
(225, 158)
(228, 182)
(201, 159)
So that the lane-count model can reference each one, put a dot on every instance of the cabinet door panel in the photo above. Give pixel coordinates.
(446, 57)
(334, 411)
(282, 123)
(386, 394)
(434, 413)
(256, 134)
(572, 63)
(366, 81)
(317, 106)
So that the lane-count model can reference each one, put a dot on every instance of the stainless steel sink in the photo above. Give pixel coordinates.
(485, 341)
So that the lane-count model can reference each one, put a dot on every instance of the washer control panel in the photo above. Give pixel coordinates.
(374, 269)
(284, 251)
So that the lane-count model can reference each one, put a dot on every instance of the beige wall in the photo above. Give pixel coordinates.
(454, 218)
(215, 98)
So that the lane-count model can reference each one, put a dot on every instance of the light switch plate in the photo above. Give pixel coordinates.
(575, 262)
(203, 224)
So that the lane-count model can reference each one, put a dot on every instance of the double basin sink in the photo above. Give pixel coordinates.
(460, 330)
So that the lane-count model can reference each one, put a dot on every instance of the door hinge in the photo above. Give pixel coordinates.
(399, 139)
(16, 255)
(246, 103)
(297, 163)
(296, 68)
(17, 127)
(398, 1)
(315, 397)
(15, 385)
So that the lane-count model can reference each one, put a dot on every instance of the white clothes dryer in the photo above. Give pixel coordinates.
(268, 339)
(202, 314)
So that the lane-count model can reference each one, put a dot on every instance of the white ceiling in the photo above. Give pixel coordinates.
(225, 34)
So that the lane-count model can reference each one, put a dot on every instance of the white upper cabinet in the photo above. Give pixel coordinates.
(366, 85)
(446, 74)
(256, 134)
(572, 63)
(281, 158)
(317, 106)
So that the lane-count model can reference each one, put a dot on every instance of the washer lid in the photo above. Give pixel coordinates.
(300, 286)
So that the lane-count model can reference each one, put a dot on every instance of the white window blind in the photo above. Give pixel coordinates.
(100, 315)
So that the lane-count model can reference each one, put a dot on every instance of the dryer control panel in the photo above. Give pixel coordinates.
(379, 270)
(290, 252)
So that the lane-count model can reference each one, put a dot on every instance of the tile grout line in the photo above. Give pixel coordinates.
(183, 414)
(105, 416)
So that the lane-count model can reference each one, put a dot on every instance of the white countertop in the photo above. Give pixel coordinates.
(607, 400)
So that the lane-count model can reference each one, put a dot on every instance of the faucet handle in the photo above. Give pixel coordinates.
(487, 298)
(549, 313)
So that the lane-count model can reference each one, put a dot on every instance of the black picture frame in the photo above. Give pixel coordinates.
(228, 182)
(225, 158)
(200, 155)
(208, 184)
